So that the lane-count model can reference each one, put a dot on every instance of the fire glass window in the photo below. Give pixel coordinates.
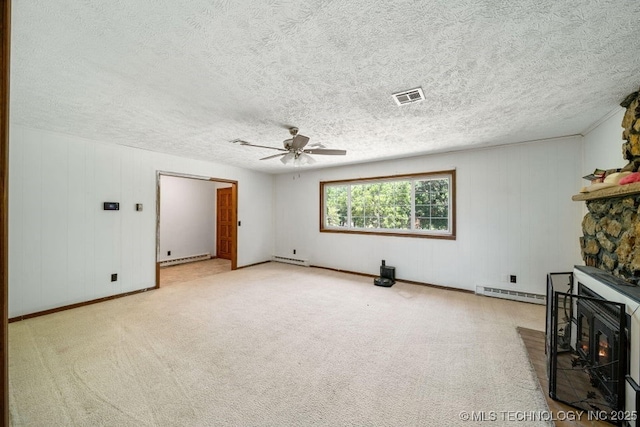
(604, 356)
(585, 331)
(416, 205)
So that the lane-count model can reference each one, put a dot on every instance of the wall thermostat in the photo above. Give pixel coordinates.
(111, 206)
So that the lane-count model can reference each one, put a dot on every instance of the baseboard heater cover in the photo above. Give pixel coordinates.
(184, 260)
(511, 294)
(294, 261)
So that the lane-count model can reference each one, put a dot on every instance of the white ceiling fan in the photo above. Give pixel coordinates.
(294, 149)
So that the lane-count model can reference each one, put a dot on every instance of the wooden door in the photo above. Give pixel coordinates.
(225, 223)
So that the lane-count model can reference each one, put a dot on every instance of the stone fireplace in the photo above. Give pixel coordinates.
(610, 231)
(611, 228)
(593, 322)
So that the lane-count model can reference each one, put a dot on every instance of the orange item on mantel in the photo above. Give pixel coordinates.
(634, 177)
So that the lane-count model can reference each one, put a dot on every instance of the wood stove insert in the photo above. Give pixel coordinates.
(590, 362)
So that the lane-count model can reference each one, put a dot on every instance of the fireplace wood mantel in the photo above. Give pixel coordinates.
(609, 192)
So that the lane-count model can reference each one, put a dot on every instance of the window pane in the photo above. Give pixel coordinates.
(357, 221)
(386, 204)
(422, 186)
(399, 218)
(423, 223)
(439, 211)
(336, 206)
(371, 222)
(423, 210)
(432, 204)
(439, 224)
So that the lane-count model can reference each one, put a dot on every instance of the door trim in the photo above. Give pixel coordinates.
(234, 201)
(5, 47)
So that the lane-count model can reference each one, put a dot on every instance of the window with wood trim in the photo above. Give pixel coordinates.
(415, 205)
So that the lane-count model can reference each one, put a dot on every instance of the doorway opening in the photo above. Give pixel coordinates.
(196, 227)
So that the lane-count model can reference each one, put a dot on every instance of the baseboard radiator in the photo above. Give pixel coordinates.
(511, 294)
(295, 261)
(185, 259)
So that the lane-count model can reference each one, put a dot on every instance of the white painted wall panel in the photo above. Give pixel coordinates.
(144, 253)
(90, 209)
(16, 218)
(566, 217)
(128, 215)
(135, 227)
(187, 217)
(482, 202)
(54, 205)
(603, 145)
(32, 257)
(77, 254)
(64, 247)
(107, 228)
(515, 216)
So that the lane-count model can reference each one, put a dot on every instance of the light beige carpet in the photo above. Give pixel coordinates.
(180, 273)
(275, 345)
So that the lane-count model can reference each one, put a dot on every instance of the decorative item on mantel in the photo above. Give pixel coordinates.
(602, 181)
(601, 178)
(611, 228)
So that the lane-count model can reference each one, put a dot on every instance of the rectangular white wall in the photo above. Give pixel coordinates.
(603, 145)
(515, 216)
(63, 247)
(187, 217)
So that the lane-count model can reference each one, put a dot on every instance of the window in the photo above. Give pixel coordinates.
(417, 205)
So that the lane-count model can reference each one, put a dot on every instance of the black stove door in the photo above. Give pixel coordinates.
(587, 362)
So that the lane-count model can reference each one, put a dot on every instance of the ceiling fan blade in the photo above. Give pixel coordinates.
(299, 141)
(265, 146)
(274, 156)
(241, 142)
(326, 151)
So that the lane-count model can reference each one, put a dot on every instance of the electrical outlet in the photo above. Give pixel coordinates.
(168, 253)
(114, 277)
(294, 251)
(512, 278)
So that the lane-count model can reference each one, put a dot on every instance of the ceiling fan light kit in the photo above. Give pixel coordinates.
(300, 159)
(294, 150)
(303, 159)
(286, 159)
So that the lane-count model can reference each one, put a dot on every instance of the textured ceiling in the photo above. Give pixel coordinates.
(186, 77)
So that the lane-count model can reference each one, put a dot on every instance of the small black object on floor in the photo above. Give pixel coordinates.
(387, 276)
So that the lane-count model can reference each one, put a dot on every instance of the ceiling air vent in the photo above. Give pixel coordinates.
(408, 96)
